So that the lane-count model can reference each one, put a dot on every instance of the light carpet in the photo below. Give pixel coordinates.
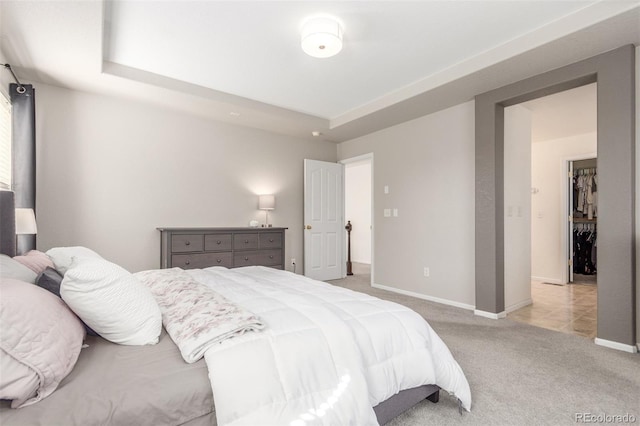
(519, 374)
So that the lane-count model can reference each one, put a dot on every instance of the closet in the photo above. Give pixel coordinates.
(583, 265)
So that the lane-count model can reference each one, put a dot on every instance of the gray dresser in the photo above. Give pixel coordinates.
(190, 248)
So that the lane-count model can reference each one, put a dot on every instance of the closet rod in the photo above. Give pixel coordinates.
(585, 171)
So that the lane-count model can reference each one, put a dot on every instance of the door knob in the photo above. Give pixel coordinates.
(308, 227)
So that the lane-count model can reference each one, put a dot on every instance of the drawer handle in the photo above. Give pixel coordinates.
(219, 260)
(246, 241)
(218, 242)
(187, 243)
(270, 240)
(246, 258)
(270, 256)
(187, 262)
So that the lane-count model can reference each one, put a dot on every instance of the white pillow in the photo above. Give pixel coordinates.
(63, 256)
(112, 302)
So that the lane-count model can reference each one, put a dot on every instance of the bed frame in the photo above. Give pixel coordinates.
(385, 411)
(401, 402)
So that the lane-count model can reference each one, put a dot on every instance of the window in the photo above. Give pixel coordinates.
(5, 143)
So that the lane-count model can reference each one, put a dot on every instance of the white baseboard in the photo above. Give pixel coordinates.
(490, 315)
(425, 297)
(616, 345)
(518, 305)
(548, 280)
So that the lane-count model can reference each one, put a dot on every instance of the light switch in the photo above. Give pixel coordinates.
(387, 212)
(386, 189)
(395, 212)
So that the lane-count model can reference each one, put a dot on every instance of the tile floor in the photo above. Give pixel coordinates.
(567, 308)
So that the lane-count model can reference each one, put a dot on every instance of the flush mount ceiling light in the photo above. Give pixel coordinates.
(321, 37)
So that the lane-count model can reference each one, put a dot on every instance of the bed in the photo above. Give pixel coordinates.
(152, 384)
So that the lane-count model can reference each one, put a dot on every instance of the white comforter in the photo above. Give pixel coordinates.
(326, 356)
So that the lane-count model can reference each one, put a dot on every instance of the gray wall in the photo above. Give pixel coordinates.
(109, 171)
(615, 74)
(428, 165)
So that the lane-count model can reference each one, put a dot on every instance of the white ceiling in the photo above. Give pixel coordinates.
(252, 49)
(241, 62)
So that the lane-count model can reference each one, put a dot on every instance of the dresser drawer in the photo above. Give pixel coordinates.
(247, 258)
(197, 248)
(270, 240)
(217, 242)
(245, 241)
(202, 260)
(184, 243)
(270, 257)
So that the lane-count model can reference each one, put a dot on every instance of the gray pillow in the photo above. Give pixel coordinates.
(10, 268)
(50, 280)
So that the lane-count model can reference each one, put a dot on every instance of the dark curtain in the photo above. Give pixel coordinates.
(7, 223)
(23, 132)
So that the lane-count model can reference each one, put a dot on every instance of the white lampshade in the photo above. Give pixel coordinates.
(322, 37)
(267, 202)
(26, 221)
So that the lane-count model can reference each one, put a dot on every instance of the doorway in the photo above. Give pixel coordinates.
(615, 73)
(563, 205)
(583, 221)
(358, 204)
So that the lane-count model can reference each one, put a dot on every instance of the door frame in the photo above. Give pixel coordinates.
(358, 158)
(615, 73)
(564, 212)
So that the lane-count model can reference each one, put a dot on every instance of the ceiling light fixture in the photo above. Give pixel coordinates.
(321, 37)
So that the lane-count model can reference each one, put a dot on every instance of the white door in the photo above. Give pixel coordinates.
(323, 221)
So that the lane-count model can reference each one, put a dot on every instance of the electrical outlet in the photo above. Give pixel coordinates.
(426, 271)
(293, 261)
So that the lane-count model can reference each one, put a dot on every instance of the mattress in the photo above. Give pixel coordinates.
(116, 384)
